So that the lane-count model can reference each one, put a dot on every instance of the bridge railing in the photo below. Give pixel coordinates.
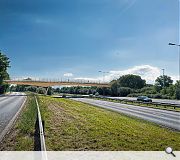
(59, 80)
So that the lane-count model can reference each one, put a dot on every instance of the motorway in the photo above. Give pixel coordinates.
(166, 118)
(10, 105)
(154, 100)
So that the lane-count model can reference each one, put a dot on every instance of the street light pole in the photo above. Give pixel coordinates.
(103, 88)
(163, 78)
(103, 72)
(178, 45)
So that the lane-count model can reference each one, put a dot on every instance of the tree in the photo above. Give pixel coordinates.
(163, 81)
(170, 90)
(157, 88)
(3, 88)
(50, 91)
(114, 88)
(177, 90)
(31, 88)
(41, 90)
(20, 88)
(117, 90)
(57, 90)
(4, 64)
(131, 81)
(123, 91)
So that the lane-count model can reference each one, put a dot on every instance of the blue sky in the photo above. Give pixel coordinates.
(50, 38)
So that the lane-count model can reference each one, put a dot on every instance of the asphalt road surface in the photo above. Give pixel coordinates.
(9, 106)
(166, 118)
(154, 100)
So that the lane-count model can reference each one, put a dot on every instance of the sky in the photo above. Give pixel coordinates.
(77, 38)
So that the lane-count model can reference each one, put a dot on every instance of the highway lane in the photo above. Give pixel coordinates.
(154, 100)
(166, 118)
(9, 106)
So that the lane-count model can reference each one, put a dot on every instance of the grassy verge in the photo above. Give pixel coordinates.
(72, 125)
(169, 108)
(21, 137)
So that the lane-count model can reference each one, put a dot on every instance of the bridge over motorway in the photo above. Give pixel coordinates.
(49, 83)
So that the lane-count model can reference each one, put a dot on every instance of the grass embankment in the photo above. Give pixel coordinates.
(72, 125)
(169, 108)
(21, 137)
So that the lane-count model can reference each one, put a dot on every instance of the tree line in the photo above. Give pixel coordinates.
(132, 86)
(4, 65)
(127, 85)
(26, 88)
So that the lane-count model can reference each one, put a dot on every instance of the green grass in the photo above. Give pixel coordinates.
(21, 137)
(72, 125)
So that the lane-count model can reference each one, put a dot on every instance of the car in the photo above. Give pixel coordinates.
(144, 99)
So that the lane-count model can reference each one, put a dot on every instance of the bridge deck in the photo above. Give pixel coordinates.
(55, 83)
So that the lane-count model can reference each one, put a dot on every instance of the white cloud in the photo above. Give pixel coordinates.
(174, 78)
(147, 72)
(68, 75)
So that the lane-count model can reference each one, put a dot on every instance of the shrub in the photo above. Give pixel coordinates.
(50, 91)
(41, 90)
(63, 96)
(124, 91)
(31, 89)
(157, 96)
(166, 97)
(133, 95)
(177, 93)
